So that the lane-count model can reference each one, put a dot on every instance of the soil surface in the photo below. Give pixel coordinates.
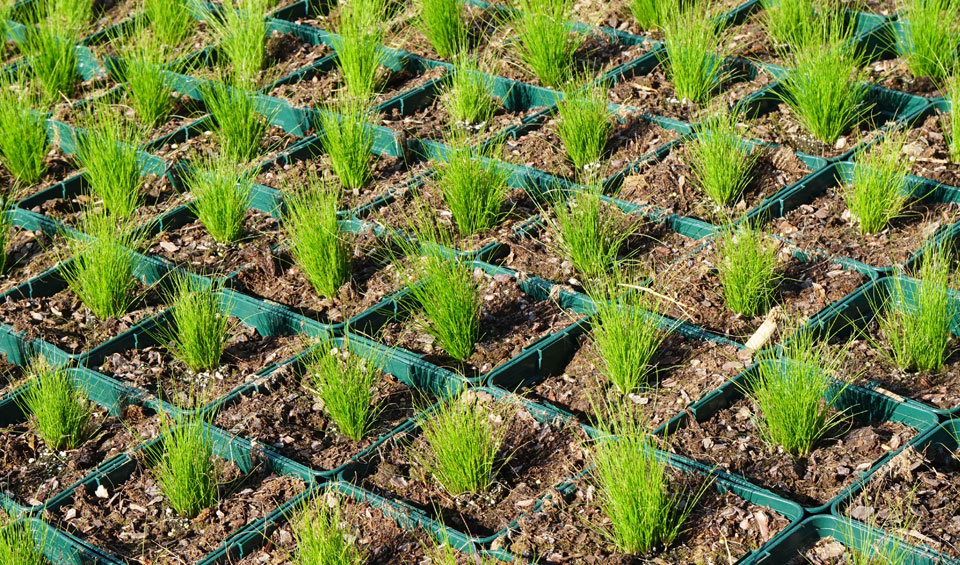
(285, 415)
(314, 89)
(11, 376)
(671, 184)
(192, 248)
(825, 224)
(28, 254)
(65, 322)
(134, 523)
(894, 74)
(434, 122)
(204, 142)
(928, 145)
(509, 321)
(543, 149)
(721, 529)
(156, 370)
(749, 40)
(534, 456)
(31, 473)
(731, 441)
(781, 127)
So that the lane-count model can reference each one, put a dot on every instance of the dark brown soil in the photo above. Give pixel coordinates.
(192, 248)
(805, 289)
(825, 224)
(721, 529)
(285, 415)
(383, 540)
(314, 90)
(433, 122)
(206, 143)
(534, 457)
(84, 90)
(108, 13)
(542, 148)
(928, 144)
(653, 248)
(928, 481)
(894, 74)
(731, 441)
(653, 93)
(781, 127)
(28, 254)
(64, 321)
(509, 321)
(32, 473)
(686, 369)
(670, 184)
(134, 523)
(11, 376)
(156, 370)
(750, 41)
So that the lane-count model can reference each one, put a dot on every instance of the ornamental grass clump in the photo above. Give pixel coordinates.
(878, 192)
(171, 21)
(347, 138)
(624, 333)
(200, 324)
(360, 34)
(222, 191)
(634, 489)
(346, 384)
(693, 53)
(545, 42)
(239, 127)
(69, 17)
(242, 33)
(825, 90)
(468, 95)
(444, 25)
(464, 435)
(473, 185)
(59, 411)
(916, 318)
(101, 272)
(143, 70)
(721, 163)
(584, 124)
(107, 150)
(322, 250)
(788, 21)
(53, 61)
(23, 131)
(929, 37)
(18, 546)
(747, 267)
(647, 13)
(795, 394)
(185, 467)
(950, 123)
(320, 528)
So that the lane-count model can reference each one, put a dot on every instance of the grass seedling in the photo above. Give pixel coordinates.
(721, 162)
(321, 249)
(625, 336)
(221, 195)
(23, 131)
(238, 126)
(107, 151)
(59, 410)
(171, 21)
(871, 545)
(320, 528)
(441, 552)
(358, 46)
(584, 125)
(243, 38)
(346, 384)
(200, 324)
(916, 319)
(17, 544)
(443, 24)
(795, 395)
(929, 41)
(647, 13)
(465, 436)
(634, 487)
(747, 269)
(185, 467)
(101, 272)
(693, 53)
(347, 139)
(148, 91)
(588, 231)
(53, 60)
(878, 192)
(950, 123)
(469, 94)
(788, 21)
(545, 41)
(825, 90)
(69, 17)
(474, 187)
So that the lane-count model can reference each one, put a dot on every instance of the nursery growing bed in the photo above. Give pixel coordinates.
(720, 431)
(34, 247)
(135, 524)
(545, 451)
(891, 70)
(928, 144)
